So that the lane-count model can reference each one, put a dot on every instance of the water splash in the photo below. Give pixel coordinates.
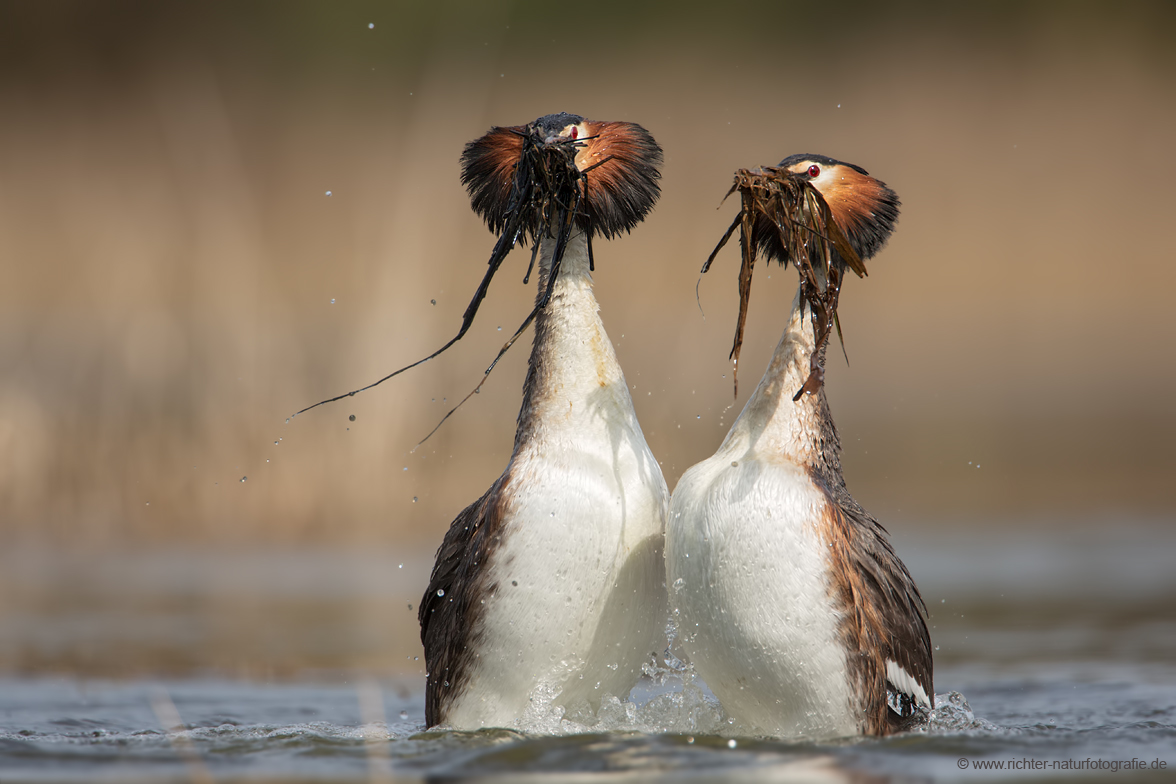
(953, 714)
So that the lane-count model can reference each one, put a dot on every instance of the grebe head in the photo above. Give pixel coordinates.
(561, 177)
(818, 213)
(609, 168)
(864, 207)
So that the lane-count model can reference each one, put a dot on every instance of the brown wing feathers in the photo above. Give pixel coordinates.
(883, 615)
(450, 611)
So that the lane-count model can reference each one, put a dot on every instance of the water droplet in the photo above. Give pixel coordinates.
(731, 743)
(440, 591)
(372, 26)
(500, 329)
(332, 300)
(351, 418)
(515, 583)
(328, 193)
(406, 468)
(690, 739)
(698, 417)
(432, 302)
(403, 715)
(244, 478)
(679, 584)
(416, 658)
(275, 443)
(400, 566)
(414, 499)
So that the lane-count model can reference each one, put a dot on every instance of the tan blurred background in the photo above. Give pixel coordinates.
(177, 280)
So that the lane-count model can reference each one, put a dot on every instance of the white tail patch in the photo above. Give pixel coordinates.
(902, 680)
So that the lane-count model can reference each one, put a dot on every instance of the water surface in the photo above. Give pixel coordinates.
(1051, 651)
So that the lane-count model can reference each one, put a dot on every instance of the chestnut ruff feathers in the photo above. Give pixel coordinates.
(518, 176)
(785, 217)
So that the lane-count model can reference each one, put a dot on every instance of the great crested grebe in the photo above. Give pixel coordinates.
(788, 596)
(551, 586)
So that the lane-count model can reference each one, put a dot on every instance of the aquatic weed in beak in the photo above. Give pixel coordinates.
(545, 180)
(785, 215)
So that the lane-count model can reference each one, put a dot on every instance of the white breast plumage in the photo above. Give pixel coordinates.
(748, 572)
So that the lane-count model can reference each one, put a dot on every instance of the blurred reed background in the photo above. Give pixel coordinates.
(177, 280)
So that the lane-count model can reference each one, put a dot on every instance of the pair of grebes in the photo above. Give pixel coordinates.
(556, 584)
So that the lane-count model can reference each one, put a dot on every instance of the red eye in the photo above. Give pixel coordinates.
(814, 172)
(575, 132)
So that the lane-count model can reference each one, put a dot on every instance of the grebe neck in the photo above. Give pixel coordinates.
(773, 424)
(573, 368)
